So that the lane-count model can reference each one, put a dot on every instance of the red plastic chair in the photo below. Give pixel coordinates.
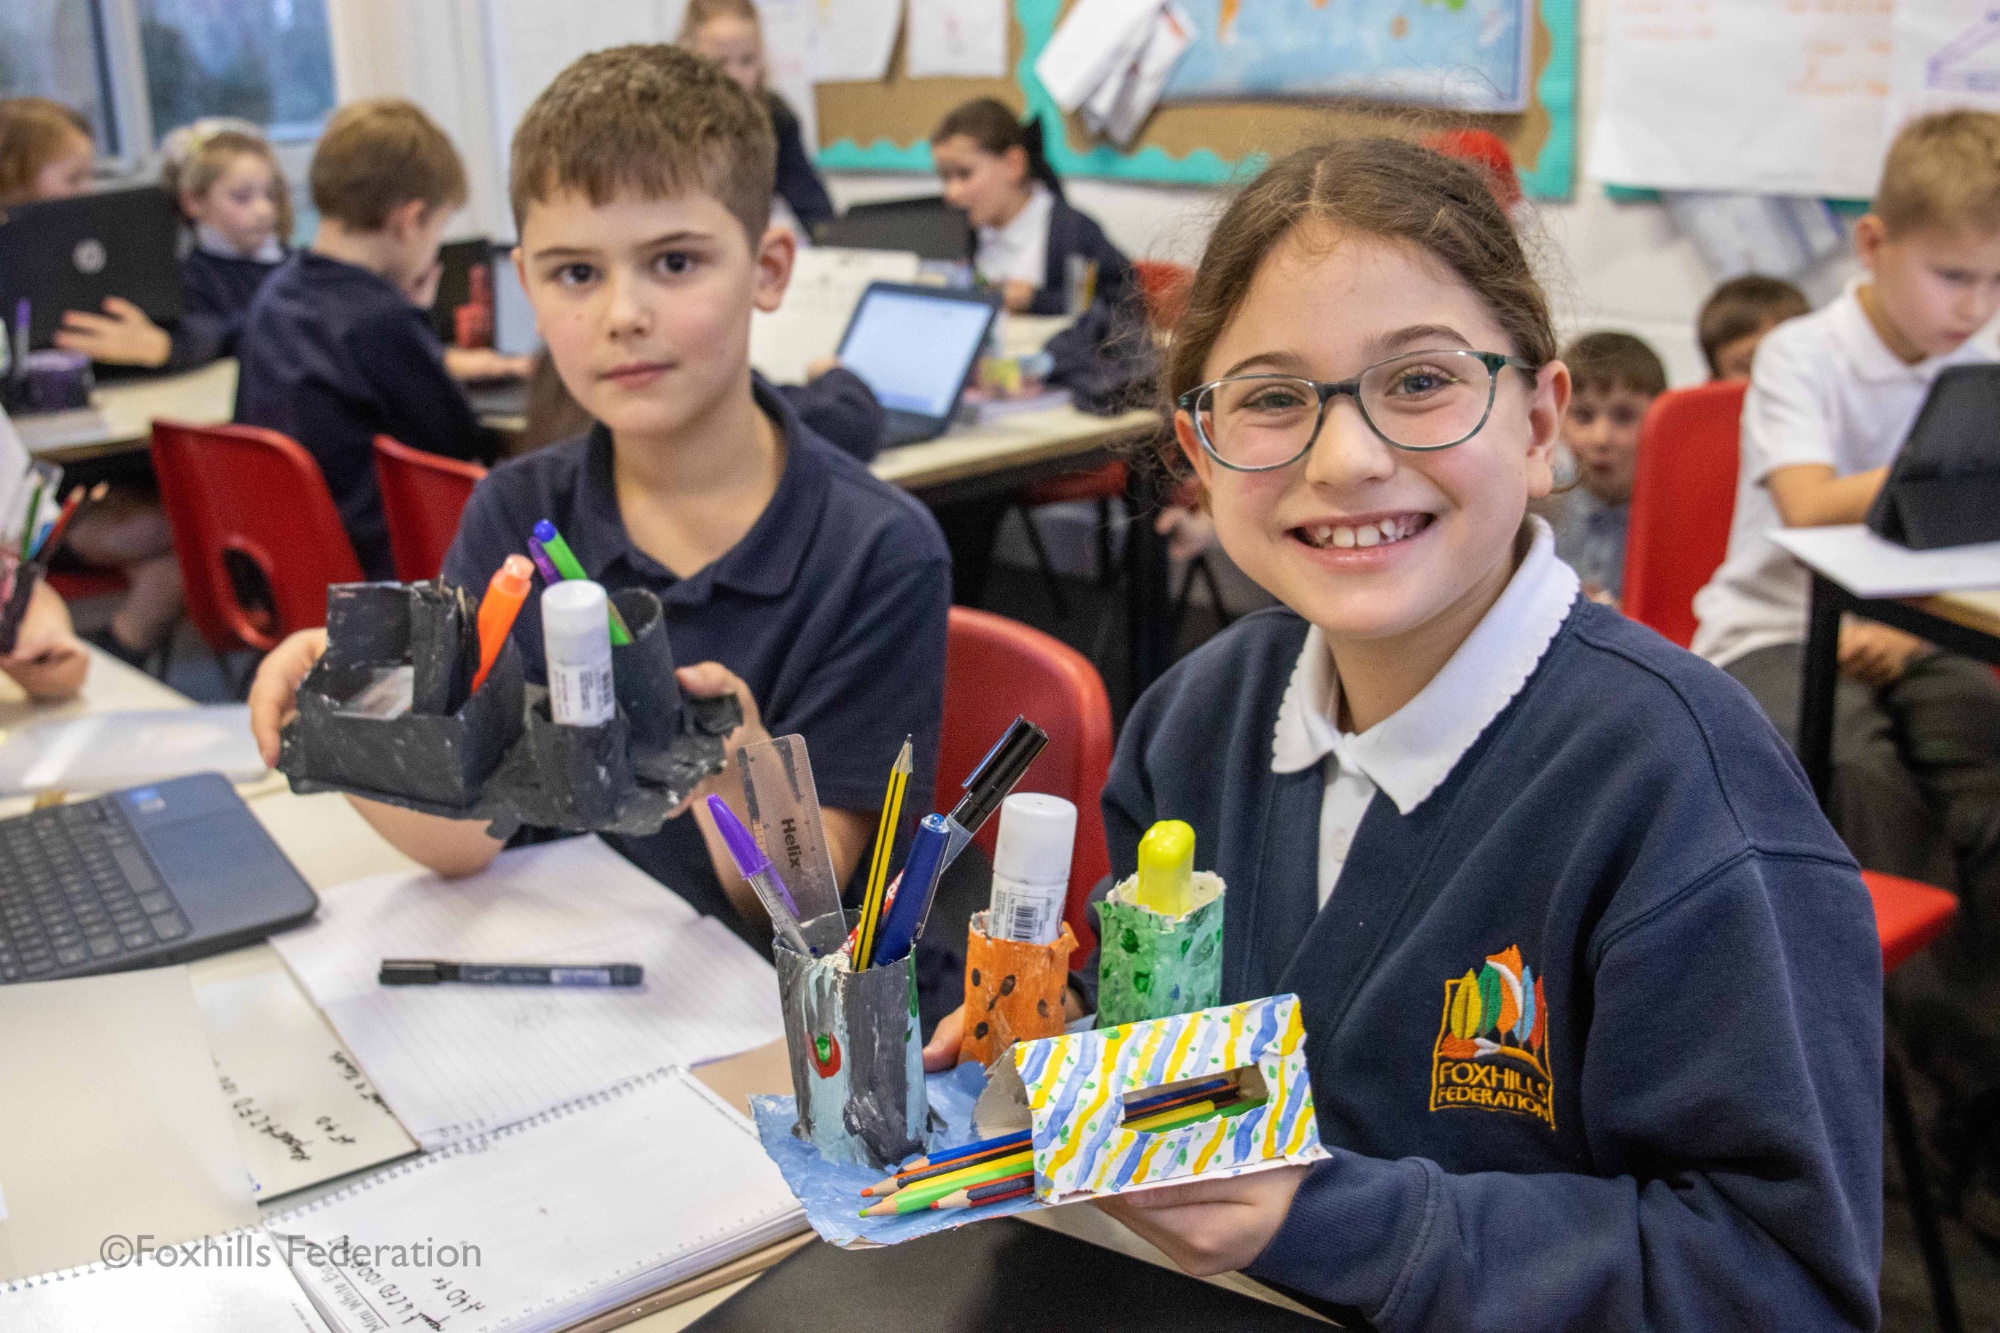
(1163, 286)
(256, 495)
(76, 585)
(1683, 499)
(995, 668)
(422, 496)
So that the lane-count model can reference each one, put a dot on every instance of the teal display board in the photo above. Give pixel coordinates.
(1550, 120)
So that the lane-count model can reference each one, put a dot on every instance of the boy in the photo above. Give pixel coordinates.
(1916, 747)
(1616, 378)
(336, 348)
(791, 577)
(1737, 315)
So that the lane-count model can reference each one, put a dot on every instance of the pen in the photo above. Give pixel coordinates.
(49, 545)
(569, 567)
(497, 610)
(550, 574)
(903, 918)
(755, 867)
(425, 972)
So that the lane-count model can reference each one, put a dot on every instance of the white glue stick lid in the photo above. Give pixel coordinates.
(1037, 836)
(576, 621)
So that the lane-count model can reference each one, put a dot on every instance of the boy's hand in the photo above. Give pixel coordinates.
(941, 1051)
(1877, 655)
(1211, 1226)
(1018, 295)
(819, 366)
(274, 694)
(121, 336)
(712, 680)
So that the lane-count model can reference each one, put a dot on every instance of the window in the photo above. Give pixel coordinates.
(267, 61)
(52, 48)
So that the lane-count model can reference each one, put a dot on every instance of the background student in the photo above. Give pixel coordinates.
(1737, 315)
(993, 167)
(337, 347)
(1614, 378)
(791, 577)
(1916, 738)
(1437, 775)
(227, 181)
(728, 32)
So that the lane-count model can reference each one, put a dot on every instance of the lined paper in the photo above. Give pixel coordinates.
(452, 1060)
(234, 1283)
(547, 1221)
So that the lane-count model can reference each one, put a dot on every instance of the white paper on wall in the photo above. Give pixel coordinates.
(790, 44)
(956, 39)
(1095, 41)
(1947, 55)
(854, 38)
(1749, 96)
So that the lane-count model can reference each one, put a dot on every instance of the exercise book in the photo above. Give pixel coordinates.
(453, 1060)
(539, 1224)
(232, 1283)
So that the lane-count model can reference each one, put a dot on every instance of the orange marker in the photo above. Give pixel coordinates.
(497, 610)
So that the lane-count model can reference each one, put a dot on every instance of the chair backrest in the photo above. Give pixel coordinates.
(1683, 499)
(1163, 286)
(250, 496)
(422, 497)
(996, 668)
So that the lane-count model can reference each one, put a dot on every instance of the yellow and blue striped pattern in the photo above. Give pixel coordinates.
(1077, 1083)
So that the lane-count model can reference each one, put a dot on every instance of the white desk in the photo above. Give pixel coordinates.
(126, 409)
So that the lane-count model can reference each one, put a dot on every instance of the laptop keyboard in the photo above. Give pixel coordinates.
(77, 893)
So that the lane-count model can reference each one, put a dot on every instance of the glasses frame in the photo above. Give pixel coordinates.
(1494, 362)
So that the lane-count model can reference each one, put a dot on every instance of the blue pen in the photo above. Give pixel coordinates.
(913, 901)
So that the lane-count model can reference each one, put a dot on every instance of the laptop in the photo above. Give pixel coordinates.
(155, 874)
(928, 226)
(69, 254)
(1944, 487)
(916, 347)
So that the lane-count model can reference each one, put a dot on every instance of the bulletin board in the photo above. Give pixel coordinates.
(885, 125)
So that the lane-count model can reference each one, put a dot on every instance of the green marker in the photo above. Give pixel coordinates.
(566, 565)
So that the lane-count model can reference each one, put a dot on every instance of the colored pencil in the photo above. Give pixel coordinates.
(28, 522)
(878, 866)
(920, 1196)
(998, 1192)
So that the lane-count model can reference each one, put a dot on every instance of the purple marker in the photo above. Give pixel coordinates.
(755, 867)
(543, 563)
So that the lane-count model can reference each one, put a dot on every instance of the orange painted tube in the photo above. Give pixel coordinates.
(497, 610)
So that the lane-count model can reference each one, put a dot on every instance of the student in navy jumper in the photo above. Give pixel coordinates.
(1592, 993)
(993, 167)
(233, 195)
(791, 577)
(337, 348)
(730, 33)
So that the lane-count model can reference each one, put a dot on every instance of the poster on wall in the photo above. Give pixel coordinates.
(1753, 96)
(1947, 56)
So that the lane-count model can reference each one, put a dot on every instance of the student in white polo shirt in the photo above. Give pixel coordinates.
(1916, 783)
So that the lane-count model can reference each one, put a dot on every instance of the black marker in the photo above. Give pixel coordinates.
(423, 972)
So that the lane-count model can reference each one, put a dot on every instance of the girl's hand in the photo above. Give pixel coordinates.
(121, 336)
(274, 694)
(1210, 1226)
(48, 660)
(941, 1051)
(1018, 295)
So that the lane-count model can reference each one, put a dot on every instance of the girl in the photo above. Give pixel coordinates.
(992, 167)
(234, 196)
(1591, 991)
(46, 153)
(727, 32)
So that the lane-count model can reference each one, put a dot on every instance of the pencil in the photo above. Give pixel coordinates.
(878, 866)
(998, 1192)
(920, 1196)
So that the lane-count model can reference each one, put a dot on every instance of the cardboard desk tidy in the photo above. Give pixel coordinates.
(388, 713)
(1160, 933)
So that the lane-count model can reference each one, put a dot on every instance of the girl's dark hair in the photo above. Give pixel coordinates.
(990, 123)
(1363, 186)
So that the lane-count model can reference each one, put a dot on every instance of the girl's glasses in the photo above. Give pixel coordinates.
(1417, 401)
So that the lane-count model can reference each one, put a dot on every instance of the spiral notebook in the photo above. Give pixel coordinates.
(547, 1221)
(230, 1283)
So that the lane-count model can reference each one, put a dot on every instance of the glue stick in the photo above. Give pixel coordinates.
(1031, 868)
(1166, 868)
(576, 630)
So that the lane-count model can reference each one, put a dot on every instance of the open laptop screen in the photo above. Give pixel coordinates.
(914, 349)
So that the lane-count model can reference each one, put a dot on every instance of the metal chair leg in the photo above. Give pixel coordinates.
(1916, 1188)
(1049, 575)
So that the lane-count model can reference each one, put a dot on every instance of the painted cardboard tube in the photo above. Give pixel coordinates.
(856, 1053)
(1013, 991)
(1154, 966)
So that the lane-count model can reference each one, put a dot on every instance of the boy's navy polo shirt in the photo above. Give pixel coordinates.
(831, 608)
(333, 355)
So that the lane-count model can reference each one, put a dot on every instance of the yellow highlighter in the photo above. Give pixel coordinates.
(1166, 868)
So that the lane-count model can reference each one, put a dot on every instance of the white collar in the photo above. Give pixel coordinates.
(1871, 358)
(1411, 752)
(1026, 226)
(210, 241)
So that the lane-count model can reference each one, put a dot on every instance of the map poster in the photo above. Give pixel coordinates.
(1465, 55)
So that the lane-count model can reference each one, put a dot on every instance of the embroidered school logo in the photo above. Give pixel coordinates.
(1490, 1053)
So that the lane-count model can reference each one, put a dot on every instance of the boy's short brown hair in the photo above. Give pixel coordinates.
(375, 156)
(1742, 307)
(655, 119)
(33, 133)
(1943, 172)
(1609, 361)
